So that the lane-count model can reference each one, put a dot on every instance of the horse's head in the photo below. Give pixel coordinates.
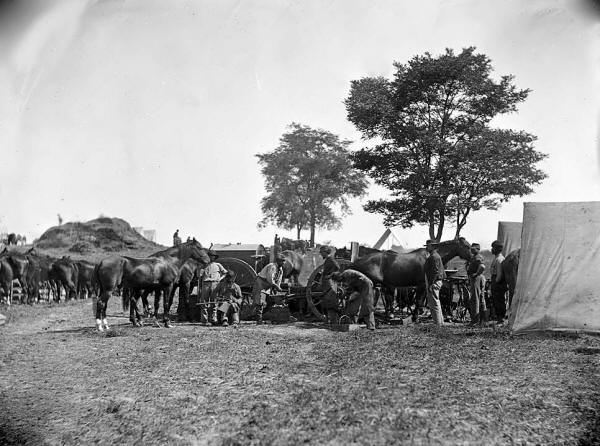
(464, 248)
(197, 252)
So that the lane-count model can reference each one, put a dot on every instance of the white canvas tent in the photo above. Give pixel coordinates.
(388, 240)
(509, 234)
(557, 285)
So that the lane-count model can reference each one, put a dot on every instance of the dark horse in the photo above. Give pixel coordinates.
(157, 273)
(391, 270)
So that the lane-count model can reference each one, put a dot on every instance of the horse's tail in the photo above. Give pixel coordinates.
(125, 299)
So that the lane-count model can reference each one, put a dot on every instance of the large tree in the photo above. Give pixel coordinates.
(309, 178)
(436, 150)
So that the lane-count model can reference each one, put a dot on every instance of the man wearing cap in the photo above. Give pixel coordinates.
(210, 275)
(269, 279)
(478, 310)
(434, 274)
(359, 291)
(229, 298)
(329, 300)
(498, 285)
(176, 239)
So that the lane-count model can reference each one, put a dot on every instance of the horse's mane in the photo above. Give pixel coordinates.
(173, 249)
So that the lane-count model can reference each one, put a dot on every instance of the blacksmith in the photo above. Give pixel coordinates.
(478, 310)
(359, 291)
(434, 275)
(498, 284)
(329, 301)
(211, 275)
(268, 280)
(229, 298)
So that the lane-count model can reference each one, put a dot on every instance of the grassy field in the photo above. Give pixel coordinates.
(63, 383)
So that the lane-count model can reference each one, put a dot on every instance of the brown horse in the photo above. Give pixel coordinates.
(391, 270)
(157, 273)
(20, 270)
(65, 273)
(85, 271)
(6, 278)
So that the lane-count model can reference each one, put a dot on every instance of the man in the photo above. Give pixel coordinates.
(269, 279)
(434, 274)
(475, 270)
(176, 239)
(329, 301)
(359, 290)
(229, 296)
(498, 285)
(210, 276)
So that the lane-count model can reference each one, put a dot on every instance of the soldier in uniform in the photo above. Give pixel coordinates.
(359, 290)
(229, 297)
(498, 285)
(475, 270)
(176, 239)
(434, 274)
(329, 301)
(269, 279)
(210, 275)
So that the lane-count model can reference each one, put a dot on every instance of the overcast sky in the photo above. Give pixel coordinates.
(152, 111)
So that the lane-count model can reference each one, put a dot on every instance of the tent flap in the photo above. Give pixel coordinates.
(557, 286)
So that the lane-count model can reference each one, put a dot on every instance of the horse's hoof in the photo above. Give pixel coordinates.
(156, 323)
(168, 324)
(99, 325)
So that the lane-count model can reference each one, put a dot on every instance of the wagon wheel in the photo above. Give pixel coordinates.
(313, 287)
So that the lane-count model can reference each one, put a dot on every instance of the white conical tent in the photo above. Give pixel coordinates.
(509, 234)
(557, 285)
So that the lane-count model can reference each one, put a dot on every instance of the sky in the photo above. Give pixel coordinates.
(153, 111)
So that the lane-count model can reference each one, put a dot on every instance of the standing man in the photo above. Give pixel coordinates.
(434, 274)
(211, 275)
(329, 301)
(229, 296)
(176, 239)
(359, 290)
(269, 279)
(477, 286)
(498, 285)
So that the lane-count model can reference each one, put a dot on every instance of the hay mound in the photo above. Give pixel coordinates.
(102, 234)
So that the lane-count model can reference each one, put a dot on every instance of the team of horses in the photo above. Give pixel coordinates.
(41, 274)
(176, 268)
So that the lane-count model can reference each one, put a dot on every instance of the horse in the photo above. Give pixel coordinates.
(157, 273)
(292, 266)
(66, 273)
(293, 245)
(510, 269)
(6, 278)
(391, 269)
(20, 270)
(84, 278)
(346, 254)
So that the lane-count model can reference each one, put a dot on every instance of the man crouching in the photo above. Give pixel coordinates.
(229, 297)
(359, 290)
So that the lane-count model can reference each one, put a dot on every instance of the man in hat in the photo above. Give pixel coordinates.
(329, 300)
(498, 285)
(229, 297)
(477, 309)
(359, 291)
(268, 280)
(176, 239)
(210, 276)
(434, 275)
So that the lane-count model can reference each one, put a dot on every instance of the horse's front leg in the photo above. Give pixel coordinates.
(167, 301)
(156, 306)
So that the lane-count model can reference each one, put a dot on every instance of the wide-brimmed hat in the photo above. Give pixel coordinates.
(431, 242)
(212, 253)
(326, 249)
(497, 244)
(475, 245)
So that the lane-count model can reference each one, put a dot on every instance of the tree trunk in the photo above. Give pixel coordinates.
(313, 224)
(298, 228)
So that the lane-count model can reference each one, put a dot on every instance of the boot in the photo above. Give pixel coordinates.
(483, 319)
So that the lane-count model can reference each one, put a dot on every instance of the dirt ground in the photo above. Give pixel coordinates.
(63, 383)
